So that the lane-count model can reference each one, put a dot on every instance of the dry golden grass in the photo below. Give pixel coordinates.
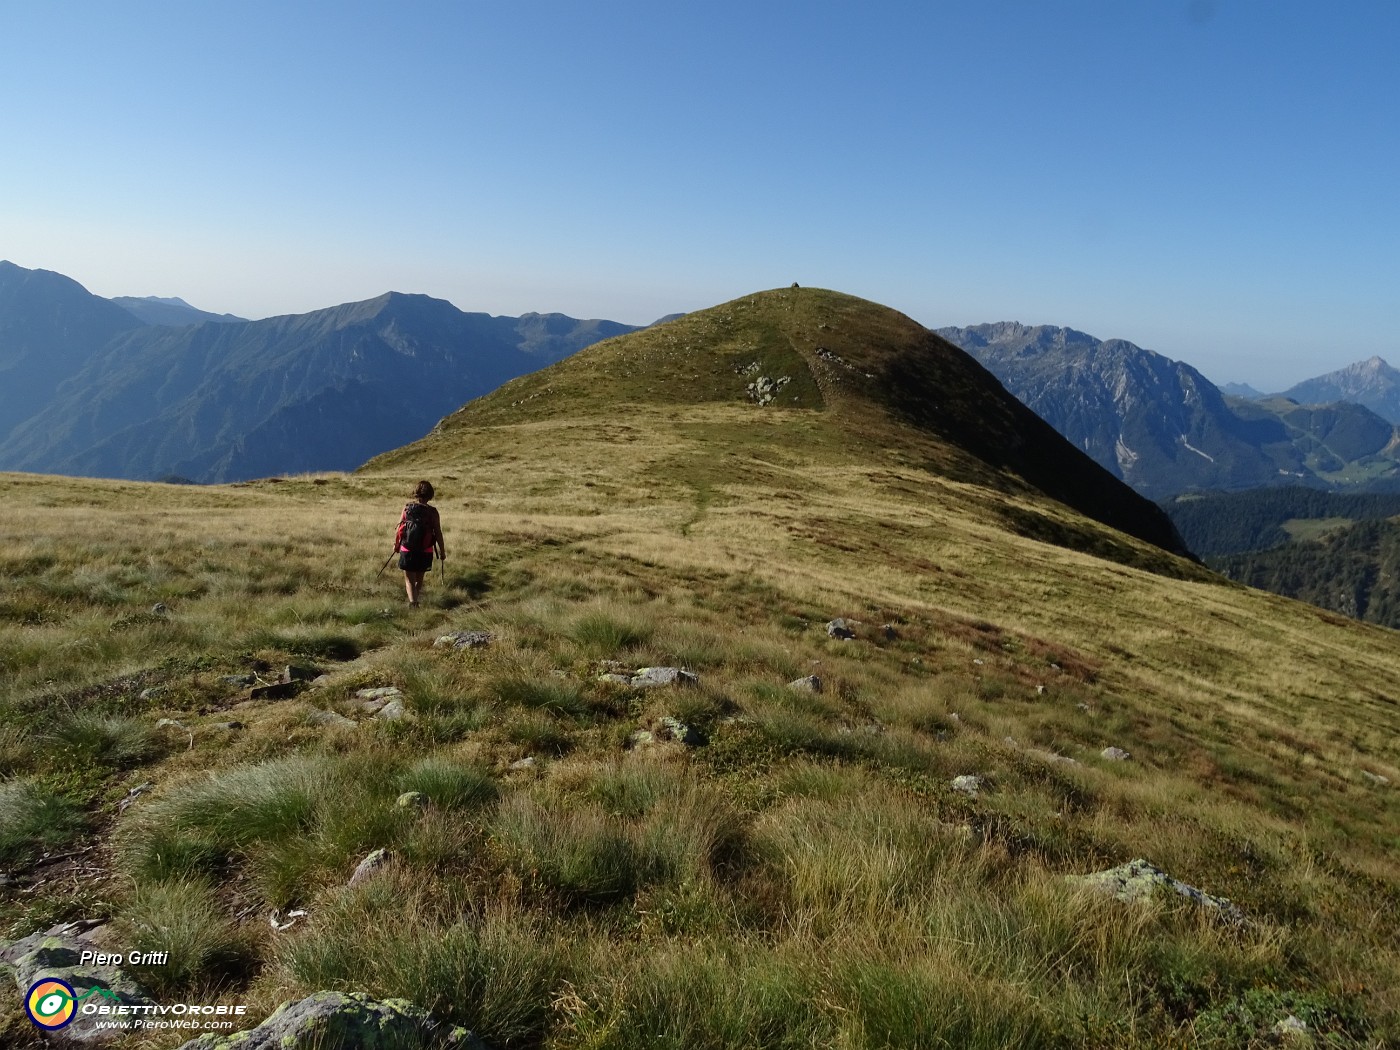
(806, 876)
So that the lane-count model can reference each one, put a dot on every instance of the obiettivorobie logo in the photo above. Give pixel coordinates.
(52, 1004)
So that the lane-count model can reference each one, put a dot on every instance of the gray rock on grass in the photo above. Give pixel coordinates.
(646, 677)
(369, 867)
(968, 785)
(1140, 880)
(841, 628)
(1115, 754)
(344, 1020)
(463, 640)
(810, 684)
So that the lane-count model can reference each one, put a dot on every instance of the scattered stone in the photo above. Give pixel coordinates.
(641, 738)
(392, 711)
(164, 722)
(57, 953)
(1083, 707)
(321, 681)
(968, 785)
(159, 609)
(1115, 754)
(1051, 756)
(1375, 778)
(890, 633)
(298, 673)
(384, 692)
(955, 716)
(650, 676)
(528, 762)
(1290, 1025)
(765, 389)
(228, 727)
(369, 867)
(411, 800)
(979, 661)
(133, 795)
(343, 1019)
(153, 692)
(811, 684)
(1040, 690)
(237, 679)
(622, 679)
(464, 640)
(318, 717)
(841, 628)
(1139, 880)
(674, 729)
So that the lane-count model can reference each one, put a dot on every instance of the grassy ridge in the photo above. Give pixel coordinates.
(804, 873)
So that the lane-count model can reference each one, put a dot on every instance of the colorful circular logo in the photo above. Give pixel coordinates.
(51, 1003)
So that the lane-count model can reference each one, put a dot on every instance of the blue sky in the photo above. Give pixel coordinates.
(1212, 179)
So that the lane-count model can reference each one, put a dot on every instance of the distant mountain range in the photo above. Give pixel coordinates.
(1164, 428)
(173, 312)
(87, 387)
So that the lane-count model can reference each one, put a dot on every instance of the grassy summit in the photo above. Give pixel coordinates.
(803, 872)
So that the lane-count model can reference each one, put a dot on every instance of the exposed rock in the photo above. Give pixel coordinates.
(321, 681)
(153, 692)
(1375, 778)
(133, 795)
(889, 632)
(411, 800)
(841, 628)
(464, 640)
(674, 729)
(383, 692)
(237, 679)
(621, 679)
(369, 867)
(160, 609)
(1139, 880)
(228, 727)
(318, 717)
(392, 711)
(764, 389)
(1291, 1025)
(275, 691)
(528, 762)
(641, 738)
(968, 785)
(344, 1021)
(650, 676)
(57, 954)
(811, 684)
(1115, 754)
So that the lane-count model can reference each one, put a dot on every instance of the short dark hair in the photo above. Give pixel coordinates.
(423, 490)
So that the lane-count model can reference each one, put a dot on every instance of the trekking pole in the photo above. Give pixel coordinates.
(384, 566)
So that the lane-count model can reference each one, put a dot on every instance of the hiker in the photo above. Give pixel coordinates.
(419, 534)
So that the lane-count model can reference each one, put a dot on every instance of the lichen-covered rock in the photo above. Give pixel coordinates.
(1115, 754)
(328, 719)
(1139, 880)
(57, 953)
(370, 866)
(344, 1021)
(840, 628)
(463, 640)
(411, 800)
(653, 676)
(810, 684)
(392, 711)
(383, 692)
(675, 729)
(968, 785)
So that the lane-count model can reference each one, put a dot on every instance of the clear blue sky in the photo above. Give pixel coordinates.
(1213, 179)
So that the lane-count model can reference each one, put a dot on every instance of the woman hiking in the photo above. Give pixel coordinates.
(419, 534)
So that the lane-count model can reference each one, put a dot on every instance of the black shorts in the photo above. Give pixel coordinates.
(416, 561)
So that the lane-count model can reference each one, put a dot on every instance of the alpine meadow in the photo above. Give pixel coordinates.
(784, 680)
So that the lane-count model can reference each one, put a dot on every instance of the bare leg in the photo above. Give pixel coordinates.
(413, 584)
